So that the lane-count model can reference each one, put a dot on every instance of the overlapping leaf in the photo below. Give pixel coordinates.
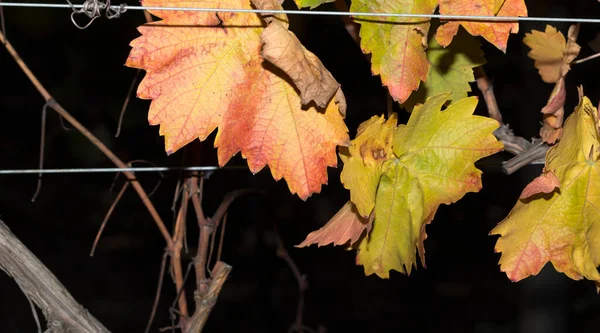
(205, 70)
(451, 69)
(397, 45)
(431, 163)
(552, 56)
(563, 226)
(494, 32)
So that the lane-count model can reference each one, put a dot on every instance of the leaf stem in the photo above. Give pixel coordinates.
(582, 60)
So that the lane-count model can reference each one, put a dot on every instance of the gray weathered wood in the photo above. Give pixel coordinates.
(63, 314)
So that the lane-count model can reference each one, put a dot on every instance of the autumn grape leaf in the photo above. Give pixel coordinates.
(283, 49)
(364, 158)
(397, 44)
(551, 53)
(345, 226)
(496, 33)
(431, 163)
(451, 69)
(563, 226)
(204, 70)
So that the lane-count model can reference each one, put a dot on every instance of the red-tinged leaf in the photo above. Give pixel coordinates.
(205, 70)
(397, 45)
(544, 183)
(345, 226)
(494, 32)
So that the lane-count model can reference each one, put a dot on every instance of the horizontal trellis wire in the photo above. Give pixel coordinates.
(124, 7)
(113, 170)
(316, 12)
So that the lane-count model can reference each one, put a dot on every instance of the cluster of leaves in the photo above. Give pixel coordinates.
(272, 100)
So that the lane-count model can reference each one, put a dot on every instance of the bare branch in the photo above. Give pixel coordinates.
(205, 304)
(62, 312)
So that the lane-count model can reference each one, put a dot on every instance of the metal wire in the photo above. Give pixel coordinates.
(316, 12)
(112, 170)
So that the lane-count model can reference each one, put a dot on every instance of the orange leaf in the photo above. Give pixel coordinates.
(494, 32)
(204, 70)
(346, 225)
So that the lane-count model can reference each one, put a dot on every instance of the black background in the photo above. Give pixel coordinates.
(462, 290)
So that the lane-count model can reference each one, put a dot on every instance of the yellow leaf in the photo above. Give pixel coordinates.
(551, 53)
(563, 226)
(363, 159)
(205, 70)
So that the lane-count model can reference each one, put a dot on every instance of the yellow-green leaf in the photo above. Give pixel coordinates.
(451, 69)
(397, 44)
(363, 160)
(563, 226)
(433, 164)
(397, 226)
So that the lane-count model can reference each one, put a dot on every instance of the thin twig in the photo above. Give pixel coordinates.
(161, 275)
(487, 89)
(93, 139)
(300, 278)
(126, 103)
(107, 217)
(579, 61)
(35, 314)
(178, 234)
(222, 237)
(42, 148)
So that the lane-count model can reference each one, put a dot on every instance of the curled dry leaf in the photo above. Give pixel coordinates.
(345, 226)
(282, 48)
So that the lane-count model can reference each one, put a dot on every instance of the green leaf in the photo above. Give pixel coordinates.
(451, 69)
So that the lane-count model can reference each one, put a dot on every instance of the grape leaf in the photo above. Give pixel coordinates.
(563, 226)
(431, 163)
(363, 161)
(397, 45)
(205, 70)
(494, 32)
(552, 56)
(451, 69)
(551, 53)
(345, 226)
(282, 48)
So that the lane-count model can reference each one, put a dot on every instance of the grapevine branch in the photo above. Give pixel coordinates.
(525, 151)
(62, 312)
